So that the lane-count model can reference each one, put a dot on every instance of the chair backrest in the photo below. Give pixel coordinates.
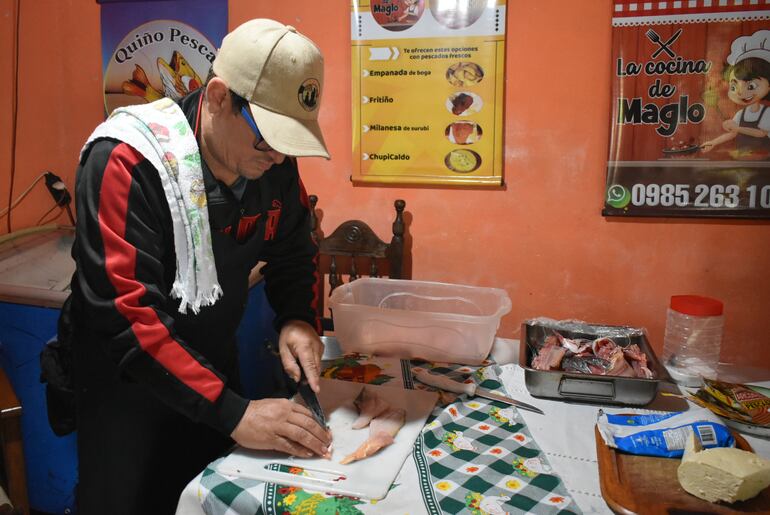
(353, 250)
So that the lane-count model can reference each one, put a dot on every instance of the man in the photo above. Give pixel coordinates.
(176, 204)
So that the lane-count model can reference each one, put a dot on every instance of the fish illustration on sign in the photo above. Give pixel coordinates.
(178, 79)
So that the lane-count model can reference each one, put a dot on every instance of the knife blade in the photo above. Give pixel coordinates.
(311, 399)
(470, 389)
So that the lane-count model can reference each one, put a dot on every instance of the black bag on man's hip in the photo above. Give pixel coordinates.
(56, 373)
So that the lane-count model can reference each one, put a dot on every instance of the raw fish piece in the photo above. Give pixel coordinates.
(638, 361)
(603, 347)
(634, 353)
(551, 339)
(369, 406)
(382, 430)
(389, 422)
(618, 364)
(641, 371)
(574, 345)
(549, 356)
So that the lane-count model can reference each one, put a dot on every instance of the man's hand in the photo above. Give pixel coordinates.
(281, 425)
(299, 345)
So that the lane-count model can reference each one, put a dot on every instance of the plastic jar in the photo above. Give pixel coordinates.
(693, 338)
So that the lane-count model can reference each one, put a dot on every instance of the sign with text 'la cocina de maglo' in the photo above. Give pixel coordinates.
(690, 127)
(152, 50)
(428, 81)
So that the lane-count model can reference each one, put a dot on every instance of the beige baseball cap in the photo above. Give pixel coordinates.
(280, 72)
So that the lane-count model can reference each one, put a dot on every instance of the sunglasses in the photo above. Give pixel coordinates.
(261, 143)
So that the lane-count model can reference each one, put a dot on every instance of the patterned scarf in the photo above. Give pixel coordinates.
(160, 132)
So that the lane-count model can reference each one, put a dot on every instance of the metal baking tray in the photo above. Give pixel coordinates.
(557, 384)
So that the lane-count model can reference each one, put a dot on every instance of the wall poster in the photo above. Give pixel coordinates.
(690, 126)
(156, 49)
(428, 84)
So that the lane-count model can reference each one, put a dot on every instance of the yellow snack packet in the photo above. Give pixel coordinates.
(740, 398)
(705, 400)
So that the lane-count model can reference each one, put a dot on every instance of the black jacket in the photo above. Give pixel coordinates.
(126, 327)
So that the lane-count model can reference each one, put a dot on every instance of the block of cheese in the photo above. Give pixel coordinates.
(722, 473)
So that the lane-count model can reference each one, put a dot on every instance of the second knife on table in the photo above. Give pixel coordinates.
(469, 389)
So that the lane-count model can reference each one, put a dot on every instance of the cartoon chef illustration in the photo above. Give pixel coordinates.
(748, 76)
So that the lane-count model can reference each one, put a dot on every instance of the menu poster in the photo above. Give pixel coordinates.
(428, 82)
(152, 50)
(690, 118)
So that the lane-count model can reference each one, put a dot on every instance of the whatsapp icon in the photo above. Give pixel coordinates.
(618, 196)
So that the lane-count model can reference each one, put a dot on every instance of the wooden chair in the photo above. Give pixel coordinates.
(353, 249)
(11, 445)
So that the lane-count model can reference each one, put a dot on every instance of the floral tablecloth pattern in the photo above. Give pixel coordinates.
(473, 456)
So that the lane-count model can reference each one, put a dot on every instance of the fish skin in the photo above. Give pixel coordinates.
(585, 364)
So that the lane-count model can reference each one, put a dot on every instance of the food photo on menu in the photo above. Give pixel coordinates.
(464, 103)
(464, 74)
(463, 133)
(457, 14)
(462, 160)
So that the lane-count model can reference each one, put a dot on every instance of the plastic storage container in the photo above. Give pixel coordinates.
(693, 338)
(418, 319)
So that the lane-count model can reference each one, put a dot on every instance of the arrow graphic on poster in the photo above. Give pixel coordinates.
(383, 53)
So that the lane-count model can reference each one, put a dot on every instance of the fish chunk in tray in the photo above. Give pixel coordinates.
(584, 362)
(607, 352)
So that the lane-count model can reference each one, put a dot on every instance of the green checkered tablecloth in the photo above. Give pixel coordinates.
(473, 456)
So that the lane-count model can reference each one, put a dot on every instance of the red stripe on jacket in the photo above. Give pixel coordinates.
(303, 198)
(120, 264)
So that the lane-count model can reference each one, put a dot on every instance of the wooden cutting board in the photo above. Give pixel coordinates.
(366, 479)
(648, 485)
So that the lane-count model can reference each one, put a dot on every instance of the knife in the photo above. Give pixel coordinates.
(470, 389)
(311, 399)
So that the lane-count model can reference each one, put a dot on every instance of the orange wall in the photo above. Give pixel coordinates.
(541, 237)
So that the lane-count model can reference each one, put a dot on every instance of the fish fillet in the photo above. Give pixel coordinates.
(369, 405)
(382, 430)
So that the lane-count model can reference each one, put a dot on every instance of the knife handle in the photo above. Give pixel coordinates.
(444, 382)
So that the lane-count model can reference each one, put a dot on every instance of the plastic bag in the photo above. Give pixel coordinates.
(580, 328)
(663, 434)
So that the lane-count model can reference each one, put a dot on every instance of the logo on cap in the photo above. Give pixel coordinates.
(308, 94)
